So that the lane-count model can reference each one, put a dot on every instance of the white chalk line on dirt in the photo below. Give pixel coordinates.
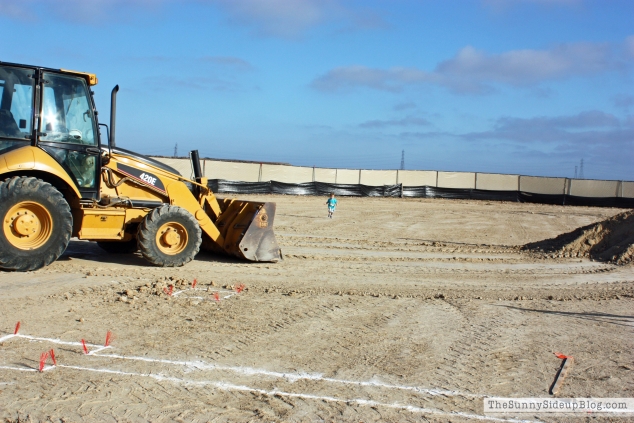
(20, 369)
(292, 377)
(231, 387)
(177, 293)
(93, 352)
(25, 369)
(4, 338)
(250, 371)
(52, 341)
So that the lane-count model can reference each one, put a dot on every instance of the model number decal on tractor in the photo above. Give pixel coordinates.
(145, 177)
(149, 179)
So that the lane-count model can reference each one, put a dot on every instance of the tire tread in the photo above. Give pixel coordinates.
(11, 191)
(146, 236)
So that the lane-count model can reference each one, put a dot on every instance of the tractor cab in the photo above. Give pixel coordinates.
(52, 109)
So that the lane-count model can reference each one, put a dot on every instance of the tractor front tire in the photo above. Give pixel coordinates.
(169, 236)
(36, 224)
(119, 247)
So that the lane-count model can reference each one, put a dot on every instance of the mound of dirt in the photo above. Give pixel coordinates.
(611, 240)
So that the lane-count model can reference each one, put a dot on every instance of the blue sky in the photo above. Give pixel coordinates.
(508, 86)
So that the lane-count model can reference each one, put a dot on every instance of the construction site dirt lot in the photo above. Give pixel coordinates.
(397, 310)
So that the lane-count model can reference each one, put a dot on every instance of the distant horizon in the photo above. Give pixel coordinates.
(527, 87)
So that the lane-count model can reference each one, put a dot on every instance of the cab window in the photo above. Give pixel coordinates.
(66, 111)
(16, 102)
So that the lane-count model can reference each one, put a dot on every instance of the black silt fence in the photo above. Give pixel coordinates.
(222, 186)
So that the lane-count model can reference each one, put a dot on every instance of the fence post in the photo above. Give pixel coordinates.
(260, 174)
(359, 176)
(313, 173)
(335, 176)
(401, 196)
(475, 182)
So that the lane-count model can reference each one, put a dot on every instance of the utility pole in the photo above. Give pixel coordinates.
(403, 160)
(176, 150)
(575, 172)
(581, 170)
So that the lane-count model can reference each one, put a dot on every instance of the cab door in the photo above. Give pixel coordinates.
(68, 131)
(17, 86)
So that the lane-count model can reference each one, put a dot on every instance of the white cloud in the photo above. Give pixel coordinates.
(503, 5)
(286, 18)
(275, 18)
(394, 79)
(472, 71)
(623, 101)
(407, 121)
(629, 46)
(584, 120)
(212, 83)
(291, 18)
(77, 11)
(14, 10)
(228, 61)
(519, 67)
(589, 128)
(404, 106)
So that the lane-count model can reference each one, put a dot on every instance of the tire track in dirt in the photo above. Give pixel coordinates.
(420, 246)
(480, 335)
(247, 334)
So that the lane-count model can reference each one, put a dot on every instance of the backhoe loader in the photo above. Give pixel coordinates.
(58, 180)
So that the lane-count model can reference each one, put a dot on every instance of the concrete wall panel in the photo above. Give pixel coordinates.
(325, 175)
(232, 171)
(377, 178)
(182, 165)
(539, 185)
(417, 178)
(347, 176)
(593, 188)
(289, 174)
(497, 182)
(628, 189)
(456, 179)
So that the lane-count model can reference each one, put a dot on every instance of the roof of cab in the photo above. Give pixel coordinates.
(90, 78)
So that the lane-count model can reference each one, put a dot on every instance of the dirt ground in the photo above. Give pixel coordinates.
(404, 310)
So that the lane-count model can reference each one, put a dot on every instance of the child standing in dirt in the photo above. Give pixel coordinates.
(332, 204)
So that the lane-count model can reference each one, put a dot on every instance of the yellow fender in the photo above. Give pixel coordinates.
(33, 158)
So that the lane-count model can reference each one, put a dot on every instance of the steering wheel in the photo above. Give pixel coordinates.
(75, 133)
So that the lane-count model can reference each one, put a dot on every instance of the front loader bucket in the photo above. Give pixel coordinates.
(258, 242)
(247, 228)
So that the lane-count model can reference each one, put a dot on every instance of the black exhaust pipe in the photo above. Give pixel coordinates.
(195, 158)
(113, 117)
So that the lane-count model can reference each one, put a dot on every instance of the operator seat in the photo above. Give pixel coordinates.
(8, 126)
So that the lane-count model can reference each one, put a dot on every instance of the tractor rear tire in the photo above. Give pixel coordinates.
(119, 247)
(169, 236)
(36, 224)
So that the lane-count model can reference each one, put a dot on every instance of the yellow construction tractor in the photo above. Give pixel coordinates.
(58, 180)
